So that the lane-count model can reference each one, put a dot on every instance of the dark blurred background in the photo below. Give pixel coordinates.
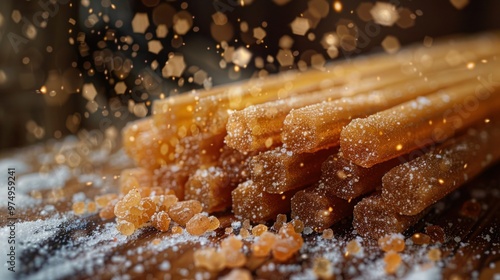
(67, 65)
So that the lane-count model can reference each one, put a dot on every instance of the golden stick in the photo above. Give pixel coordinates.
(411, 125)
(280, 170)
(411, 187)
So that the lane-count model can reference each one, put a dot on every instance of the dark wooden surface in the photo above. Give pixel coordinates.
(471, 249)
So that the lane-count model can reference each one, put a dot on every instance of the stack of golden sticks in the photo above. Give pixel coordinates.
(380, 137)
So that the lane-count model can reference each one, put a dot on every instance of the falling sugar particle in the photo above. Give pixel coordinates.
(391, 44)
(120, 87)
(219, 18)
(318, 8)
(241, 57)
(16, 16)
(161, 31)
(200, 76)
(3, 77)
(281, 2)
(285, 58)
(406, 18)
(318, 61)
(155, 46)
(89, 92)
(182, 22)
(332, 52)
(428, 41)
(259, 33)
(300, 26)
(384, 13)
(140, 23)
(363, 11)
(174, 67)
(459, 4)
(330, 40)
(337, 6)
(286, 42)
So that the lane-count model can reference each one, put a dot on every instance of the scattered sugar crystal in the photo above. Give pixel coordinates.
(236, 224)
(43, 181)
(308, 230)
(79, 196)
(164, 266)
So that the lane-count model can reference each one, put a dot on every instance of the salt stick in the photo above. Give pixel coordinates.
(318, 126)
(251, 202)
(411, 187)
(318, 208)
(258, 127)
(417, 123)
(347, 180)
(373, 218)
(280, 170)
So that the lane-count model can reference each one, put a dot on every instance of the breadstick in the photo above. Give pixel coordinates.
(251, 202)
(417, 123)
(413, 186)
(347, 180)
(280, 170)
(318, 208)
(373, 218)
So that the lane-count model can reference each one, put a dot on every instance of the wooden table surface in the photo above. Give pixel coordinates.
(53, 243)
